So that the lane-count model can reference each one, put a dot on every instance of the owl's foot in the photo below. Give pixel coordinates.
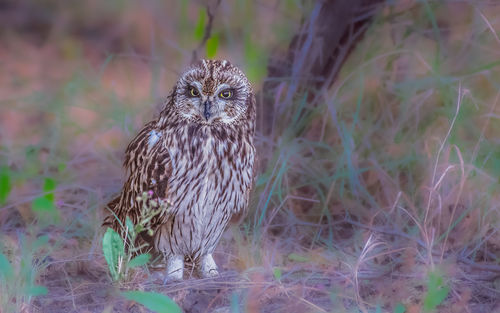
(208, 268)
(175, 268)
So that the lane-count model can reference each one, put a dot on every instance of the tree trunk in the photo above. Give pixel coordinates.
(315, 54)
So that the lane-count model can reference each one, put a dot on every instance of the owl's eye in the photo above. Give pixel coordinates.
(226, 94)
(193, 92)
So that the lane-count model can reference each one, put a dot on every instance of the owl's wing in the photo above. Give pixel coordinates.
(148, 164)
(137, 150)
(147, 159)
(240, 211)
(158, 170)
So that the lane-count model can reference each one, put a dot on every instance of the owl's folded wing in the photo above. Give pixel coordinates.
(148, 164)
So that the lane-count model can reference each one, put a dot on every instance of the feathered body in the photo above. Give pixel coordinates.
(198, 155)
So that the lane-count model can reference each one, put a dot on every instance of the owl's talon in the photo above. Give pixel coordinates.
(175, 268)
(208, 267)
(213, 273)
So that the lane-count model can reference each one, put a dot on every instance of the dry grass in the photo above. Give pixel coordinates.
(390, 180)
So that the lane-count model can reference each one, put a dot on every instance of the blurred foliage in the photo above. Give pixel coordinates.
(156, 302)
(399, 308)
(18, 278)
(5, 185)
(44, 205)
(199, 30)
(436, 291)
(212, 45)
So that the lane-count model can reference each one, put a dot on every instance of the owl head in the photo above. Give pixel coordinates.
(213, 92)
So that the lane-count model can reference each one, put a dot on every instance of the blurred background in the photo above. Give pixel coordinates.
(378, 187)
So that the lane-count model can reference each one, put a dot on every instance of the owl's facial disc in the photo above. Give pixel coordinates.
(213, 92)
(215, 104)
(212, 104)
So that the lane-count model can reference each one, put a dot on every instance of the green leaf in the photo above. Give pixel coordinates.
(49, 186)
(297, 257)
(153, 301)
(435, 298)
(45, 209)
(42, 204)
(399, 308)
(36, 290)
(5, 185)
(436, 291)
(141, 259)
(113, 249)
(277, 273)
(5, 267)
(200, 25)
(212, 45)
(130, 228)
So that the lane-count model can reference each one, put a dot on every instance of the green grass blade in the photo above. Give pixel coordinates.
(130, 229)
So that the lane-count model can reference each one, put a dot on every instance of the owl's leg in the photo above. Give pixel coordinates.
(175, 267)
(208, 266)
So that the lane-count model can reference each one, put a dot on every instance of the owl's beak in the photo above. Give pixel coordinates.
(207, 105)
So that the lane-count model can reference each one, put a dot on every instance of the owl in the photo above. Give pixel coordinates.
(197, 156)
